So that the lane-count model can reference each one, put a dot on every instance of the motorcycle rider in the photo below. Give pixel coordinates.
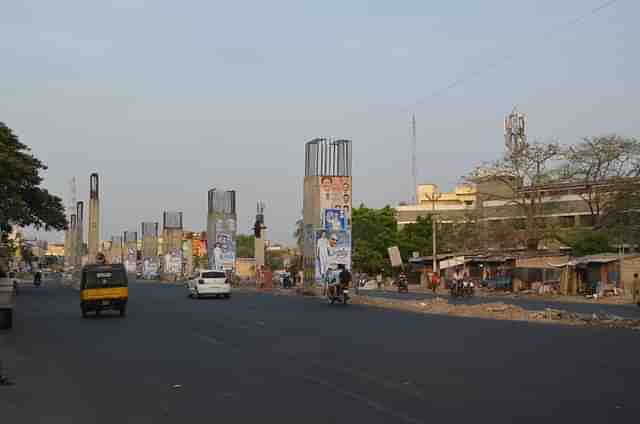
(457, 279)
(344, 277)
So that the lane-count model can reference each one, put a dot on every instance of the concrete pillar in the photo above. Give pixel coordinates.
(149, 240)
(187, 251)
(79, 246)
(172, 234)
(116, 250)
(221, 229)
(70, 246)
(131, 251)
(327, 208)
(93, 237)
(260, 248)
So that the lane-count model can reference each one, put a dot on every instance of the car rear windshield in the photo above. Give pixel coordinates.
(214, 274)
(105, 278)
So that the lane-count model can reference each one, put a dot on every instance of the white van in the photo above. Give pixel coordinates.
(209, 283)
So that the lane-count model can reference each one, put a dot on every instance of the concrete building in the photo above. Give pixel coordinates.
(488, 200)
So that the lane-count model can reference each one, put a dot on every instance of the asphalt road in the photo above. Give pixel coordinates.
(531, 304)
(278, 359)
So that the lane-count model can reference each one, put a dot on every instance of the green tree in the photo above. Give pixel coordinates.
(24, 201)
(589, 242)
(374, 231)
(416, 237)
(245, 246)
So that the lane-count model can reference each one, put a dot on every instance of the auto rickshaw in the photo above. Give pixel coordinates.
(103, 287)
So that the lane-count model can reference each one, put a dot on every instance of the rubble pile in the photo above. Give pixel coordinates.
(501, 311)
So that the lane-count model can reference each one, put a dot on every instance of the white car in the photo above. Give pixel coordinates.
(209, 283)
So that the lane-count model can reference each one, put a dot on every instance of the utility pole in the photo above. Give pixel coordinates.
(434, 197)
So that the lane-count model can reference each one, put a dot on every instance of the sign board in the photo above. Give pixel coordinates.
(394, 256)
(453, 262)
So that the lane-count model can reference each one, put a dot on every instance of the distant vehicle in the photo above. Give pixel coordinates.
(104, 287)
(209, 283)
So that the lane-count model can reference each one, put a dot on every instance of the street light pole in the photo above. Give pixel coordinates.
(434, 231)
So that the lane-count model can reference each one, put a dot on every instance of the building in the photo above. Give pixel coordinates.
(55, 249)
(488, 199)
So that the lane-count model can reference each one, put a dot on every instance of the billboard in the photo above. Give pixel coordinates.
(221, 229)
(333, 248)
(335, 195)
(224, 249)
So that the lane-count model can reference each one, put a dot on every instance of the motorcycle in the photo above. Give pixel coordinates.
(403, 284)
(338, 294)
(462, 289)
(37, 279)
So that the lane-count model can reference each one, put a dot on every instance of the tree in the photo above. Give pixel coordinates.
(519, 176)
(374, 231)
(245, 246)
(24, 202)
(605, 165)
(589, 242)
(299, 234)
(416, 237)
(621, 216)
(26, 254)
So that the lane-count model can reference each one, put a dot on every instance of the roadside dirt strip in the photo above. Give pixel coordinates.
(495, 310)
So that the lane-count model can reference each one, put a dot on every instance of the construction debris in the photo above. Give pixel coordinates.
(501, 311)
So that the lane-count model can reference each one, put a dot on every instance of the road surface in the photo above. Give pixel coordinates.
(260, 358)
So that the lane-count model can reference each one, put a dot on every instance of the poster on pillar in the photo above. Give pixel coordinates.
(150, 268)
(131, 261)
(224, 250)
(335, 197)
(333, 248)
(173, 262)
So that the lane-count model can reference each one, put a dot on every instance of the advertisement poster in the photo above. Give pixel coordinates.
(335, 194)
(173, 262)
(224, 250)
(130, 263)
(332, 249)
(150, 269)
(334, 220)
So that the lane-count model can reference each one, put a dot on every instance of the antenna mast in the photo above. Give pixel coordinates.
(414, 171)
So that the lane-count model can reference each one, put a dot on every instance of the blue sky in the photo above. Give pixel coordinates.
(167, 99)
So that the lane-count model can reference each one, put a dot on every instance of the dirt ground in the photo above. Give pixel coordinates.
(501, 311)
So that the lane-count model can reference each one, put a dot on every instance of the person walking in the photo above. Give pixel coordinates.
(635, 286)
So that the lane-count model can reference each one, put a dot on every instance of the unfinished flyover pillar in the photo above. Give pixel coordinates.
(131, 252)
(150, 262)
(221, 230)
(172, 233)
(115, 253)
(93, 237)
(327, 209)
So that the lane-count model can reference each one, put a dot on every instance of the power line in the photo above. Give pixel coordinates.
(546, 35)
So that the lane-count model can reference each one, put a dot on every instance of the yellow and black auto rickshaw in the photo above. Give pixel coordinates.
(104, 287)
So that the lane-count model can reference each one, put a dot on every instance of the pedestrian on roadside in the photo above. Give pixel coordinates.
(379, 280)
(635, 286)
(435, 282)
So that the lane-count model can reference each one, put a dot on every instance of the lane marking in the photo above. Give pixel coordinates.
(210, 340)
(371, 403)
